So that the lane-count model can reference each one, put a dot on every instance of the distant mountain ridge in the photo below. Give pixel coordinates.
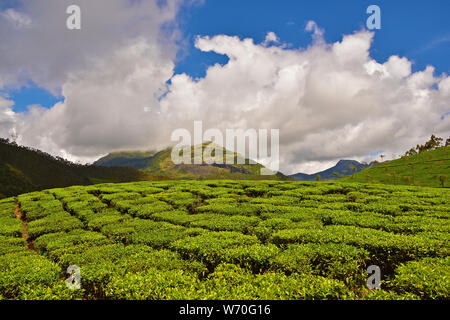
(160, 163)
(133, 159)
(24, 170)
(342, 168)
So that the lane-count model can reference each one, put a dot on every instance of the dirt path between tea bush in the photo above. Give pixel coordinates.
(21, 216)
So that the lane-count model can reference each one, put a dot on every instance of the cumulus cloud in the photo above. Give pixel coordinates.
(106, 73)
(103, 108)
(329, 100)
(46, 52)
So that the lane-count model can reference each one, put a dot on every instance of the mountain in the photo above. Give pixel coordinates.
(161, 164)
(24, 170)
(133, 159)
(427, 168)
(342, 168)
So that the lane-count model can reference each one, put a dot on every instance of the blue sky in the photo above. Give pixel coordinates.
(418, 30)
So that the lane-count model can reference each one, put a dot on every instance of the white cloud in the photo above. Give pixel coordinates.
(271, 37)
(317, 32)
(17, 19)
(7, 117)
(46, 52)
(330, 101)
(326, 100)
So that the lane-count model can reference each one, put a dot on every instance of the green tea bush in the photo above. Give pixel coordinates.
(55, 222)
(101, 264)
(11, 245)
(333, 260)
(209, 247)
(231, 282)
(53, 241)
(57, 291)
(76, 208)
(7, 207)
(139, 231)
(98, 221)
(387, 249)
(266, 228)
(181, 217)
(153, 285)
(227, 209)
(226, 223)
(427, 278)
(227, 239)
(389, 295)
(25, 268)
(147, 210)
(256, 257)
(37, 210)
(120, 196)
(10, 226)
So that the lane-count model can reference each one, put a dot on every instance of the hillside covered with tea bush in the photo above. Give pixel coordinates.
(226, 240)
(428, 168)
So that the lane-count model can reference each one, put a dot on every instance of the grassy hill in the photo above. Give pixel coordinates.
(160, 163)
(226, 239)
(24, 170)
(426, 168)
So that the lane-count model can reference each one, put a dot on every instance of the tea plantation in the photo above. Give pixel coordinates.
(226, 240)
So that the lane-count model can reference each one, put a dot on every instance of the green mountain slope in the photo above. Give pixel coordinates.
(133, 159)
(24, 170)
(160, 163)
(428, 168)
